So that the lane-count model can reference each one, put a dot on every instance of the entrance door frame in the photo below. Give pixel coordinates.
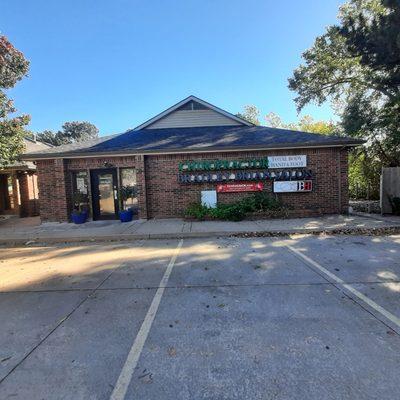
(94, 185)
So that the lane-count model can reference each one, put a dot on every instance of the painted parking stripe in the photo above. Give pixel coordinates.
(128, 369)
(391, 317)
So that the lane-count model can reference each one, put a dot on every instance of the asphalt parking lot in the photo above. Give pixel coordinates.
(307, 317)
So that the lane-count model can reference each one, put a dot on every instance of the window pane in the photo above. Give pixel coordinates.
(80, 197)
(128, 181)
(128, 177)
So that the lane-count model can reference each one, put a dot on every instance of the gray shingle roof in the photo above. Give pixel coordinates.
(31, 146)
(195, 139)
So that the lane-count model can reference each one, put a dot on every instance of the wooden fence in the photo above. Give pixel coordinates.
(390, 186)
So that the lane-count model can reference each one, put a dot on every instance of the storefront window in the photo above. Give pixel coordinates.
(80, 196)
(10, 203)
(128, 193)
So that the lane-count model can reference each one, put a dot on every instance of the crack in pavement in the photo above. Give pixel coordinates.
(194, 286)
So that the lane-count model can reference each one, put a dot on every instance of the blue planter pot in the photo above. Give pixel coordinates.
(85, 213)
(79, 218)
(126, 215)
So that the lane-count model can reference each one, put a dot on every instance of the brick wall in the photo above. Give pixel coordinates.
(52, 190)
(55, 183)
(168, 198)
(161, 196)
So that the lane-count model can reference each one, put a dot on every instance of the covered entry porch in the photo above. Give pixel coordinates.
(19, 193)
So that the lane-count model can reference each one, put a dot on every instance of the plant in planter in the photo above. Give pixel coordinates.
(126, 193)
(80, 213)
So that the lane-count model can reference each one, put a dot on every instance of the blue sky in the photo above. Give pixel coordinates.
(117, 63)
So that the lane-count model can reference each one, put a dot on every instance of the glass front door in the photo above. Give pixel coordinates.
(104, 194)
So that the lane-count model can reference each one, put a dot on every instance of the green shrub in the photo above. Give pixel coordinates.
(259, 202)
(197, 210)
(228, 212)
(266, 202)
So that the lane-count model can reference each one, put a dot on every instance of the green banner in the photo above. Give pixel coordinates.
(216, 165)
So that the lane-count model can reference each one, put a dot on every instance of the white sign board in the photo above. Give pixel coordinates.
(80, 185)
(292, 186)
(209, 198)
(287, 161)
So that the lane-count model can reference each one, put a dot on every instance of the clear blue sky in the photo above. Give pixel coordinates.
(117, 63)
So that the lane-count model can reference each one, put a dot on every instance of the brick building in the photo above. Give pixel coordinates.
(189, 153)
(18, 185)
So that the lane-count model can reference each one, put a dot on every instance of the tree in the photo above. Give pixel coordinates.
(356, 64)
(250, 113)
(364, 175)
(274, 120)
(71, 132)
(13, 67)
(306, 124)
(54, 138)
(79, 131)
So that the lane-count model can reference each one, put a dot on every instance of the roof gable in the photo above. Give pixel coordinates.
(193, 112)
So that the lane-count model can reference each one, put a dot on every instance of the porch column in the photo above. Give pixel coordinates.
(24, 194)
(15, 193)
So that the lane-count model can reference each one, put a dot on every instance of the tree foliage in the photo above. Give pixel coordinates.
(13, 67)
(356, 64)
(305, 124)
(364, 175)
(250, 113)
(76, 131)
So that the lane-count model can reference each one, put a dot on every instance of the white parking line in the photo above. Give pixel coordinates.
(391, 317)
(128, 369)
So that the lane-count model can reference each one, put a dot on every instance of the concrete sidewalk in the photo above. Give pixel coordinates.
(20, 231)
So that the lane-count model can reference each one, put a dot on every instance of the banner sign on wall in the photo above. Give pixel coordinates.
(217, 165)
(292, 186)
(287, 161)
(239, 187)
(285, 175)
(295, 161)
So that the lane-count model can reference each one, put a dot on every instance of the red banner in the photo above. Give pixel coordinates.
(239, 187)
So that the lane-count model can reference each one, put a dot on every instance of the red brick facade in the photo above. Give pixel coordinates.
(161, 196)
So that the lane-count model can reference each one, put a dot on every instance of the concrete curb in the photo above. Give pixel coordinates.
(388, 230)
(376, 217)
